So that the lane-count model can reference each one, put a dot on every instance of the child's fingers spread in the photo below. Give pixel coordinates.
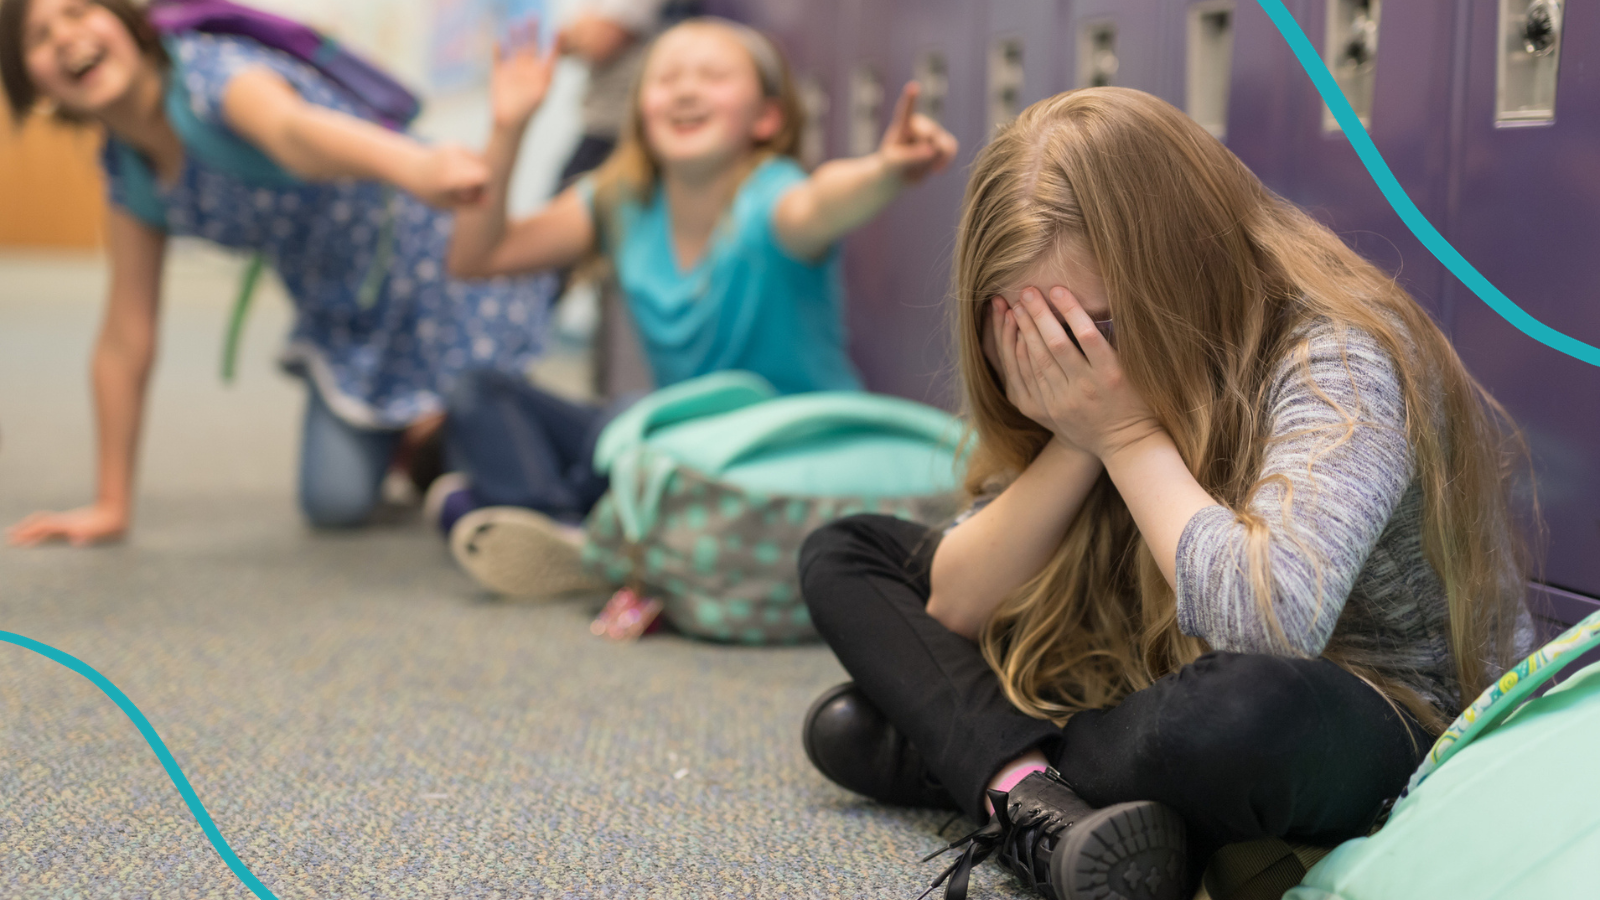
(1052, 337)
(1090, 340)
(1037, 350)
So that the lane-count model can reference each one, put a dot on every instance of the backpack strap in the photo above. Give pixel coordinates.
(217, 146)
(815, 415)
(706, 395)
(639, 477)
(381, 94)
(1508, 694)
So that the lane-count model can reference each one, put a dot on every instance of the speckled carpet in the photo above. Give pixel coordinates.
(359, 720)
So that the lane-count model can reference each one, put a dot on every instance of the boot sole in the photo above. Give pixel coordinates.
(1131, 851)
(519, 553)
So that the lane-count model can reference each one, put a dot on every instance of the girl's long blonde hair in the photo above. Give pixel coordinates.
(1211, 279)
(632, 171)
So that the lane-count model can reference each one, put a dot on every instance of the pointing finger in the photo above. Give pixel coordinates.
(900, 125)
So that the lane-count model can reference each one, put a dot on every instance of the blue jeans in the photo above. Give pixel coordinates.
(341, 466)
(519, 446)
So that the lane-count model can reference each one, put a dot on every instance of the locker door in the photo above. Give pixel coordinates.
(1527, 210)
(805, 29)
(1127, 43)
(1276, 125)
(1034, 27)
(898, 266)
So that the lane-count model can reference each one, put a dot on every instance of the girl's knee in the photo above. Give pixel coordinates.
(840, 542)
(1240, 712)
(837, 549)
(333, 506)
(474, 388)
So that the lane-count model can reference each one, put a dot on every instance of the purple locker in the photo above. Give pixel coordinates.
(898, 266)
(1526, 212)
(1141, 46)
(1039, 26)
(1276, 125)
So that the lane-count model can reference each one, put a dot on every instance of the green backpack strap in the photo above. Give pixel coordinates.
(1503, 697)
(638, 477)
(241, 307)
(804, 417)
(706, 395)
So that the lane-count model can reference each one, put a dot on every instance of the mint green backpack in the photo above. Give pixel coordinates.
(1505, 805)
(716, 481)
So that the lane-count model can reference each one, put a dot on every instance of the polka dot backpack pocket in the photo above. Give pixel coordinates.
(716, 482)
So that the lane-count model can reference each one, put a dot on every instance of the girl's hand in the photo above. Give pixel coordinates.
(915, 146)
(82, 527)
(520, 77)
(1083, 395)
(1009, 357)
(447, 176)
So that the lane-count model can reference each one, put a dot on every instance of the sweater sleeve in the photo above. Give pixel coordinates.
(1336, 465)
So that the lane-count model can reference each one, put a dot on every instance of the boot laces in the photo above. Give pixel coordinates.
(1023, 846)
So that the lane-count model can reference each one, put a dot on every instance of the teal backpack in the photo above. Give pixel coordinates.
(716, 482)
(1505, 805)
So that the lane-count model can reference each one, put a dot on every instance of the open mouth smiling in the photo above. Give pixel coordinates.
(80, 65)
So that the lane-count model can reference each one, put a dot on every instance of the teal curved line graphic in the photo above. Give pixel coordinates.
(1397, 197)
(154, 740)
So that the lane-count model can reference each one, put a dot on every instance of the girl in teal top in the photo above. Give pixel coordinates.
(725, 250)
(746, 304)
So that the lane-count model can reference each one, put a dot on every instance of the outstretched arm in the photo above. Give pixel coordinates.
(123, 357)
(319, 143)
(844, 194)
(485, 242)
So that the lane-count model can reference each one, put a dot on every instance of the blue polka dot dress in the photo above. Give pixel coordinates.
(380, 329)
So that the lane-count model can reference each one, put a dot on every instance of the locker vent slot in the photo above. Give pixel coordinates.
(1351, 49)
(1097, 55)
(866, 110)
(814, 106)
(1005, 81)
(1210, 63)
(933, 73)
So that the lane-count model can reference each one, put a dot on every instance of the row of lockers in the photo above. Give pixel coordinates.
(1487, 111)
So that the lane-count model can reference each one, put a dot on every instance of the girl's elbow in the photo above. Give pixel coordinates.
(465, 267)
(951, 617)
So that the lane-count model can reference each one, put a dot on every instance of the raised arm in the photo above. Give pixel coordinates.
(844, 194)
(120, 373)
(318, 143)
(485, 242)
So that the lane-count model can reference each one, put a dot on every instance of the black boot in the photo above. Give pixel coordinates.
(849, 740)
(1062, 848)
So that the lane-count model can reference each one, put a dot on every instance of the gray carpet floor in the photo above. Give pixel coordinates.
(358, 719)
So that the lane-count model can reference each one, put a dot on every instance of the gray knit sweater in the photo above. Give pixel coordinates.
(1344, 518)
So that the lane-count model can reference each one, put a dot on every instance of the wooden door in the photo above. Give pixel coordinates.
(51, 190)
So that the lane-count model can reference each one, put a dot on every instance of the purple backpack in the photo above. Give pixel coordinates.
(387, 98)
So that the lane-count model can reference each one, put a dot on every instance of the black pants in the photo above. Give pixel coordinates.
(1242, 746)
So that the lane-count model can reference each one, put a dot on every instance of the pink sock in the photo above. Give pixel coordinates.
(1009, 776)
